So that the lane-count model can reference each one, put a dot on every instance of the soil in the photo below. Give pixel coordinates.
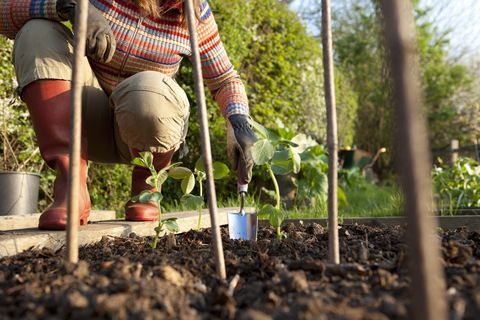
(123, 278)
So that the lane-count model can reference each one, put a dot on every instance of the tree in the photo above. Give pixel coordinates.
(361, 56)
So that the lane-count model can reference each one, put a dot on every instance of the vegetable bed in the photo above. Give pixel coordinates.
(289, 279)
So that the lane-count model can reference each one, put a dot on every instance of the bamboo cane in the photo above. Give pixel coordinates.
(75, 130)
(205, 140)
(333, 245)
(428, 283)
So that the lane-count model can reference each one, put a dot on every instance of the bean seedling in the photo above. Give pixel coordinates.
(279, 156)
(189, 178)
(155, 180)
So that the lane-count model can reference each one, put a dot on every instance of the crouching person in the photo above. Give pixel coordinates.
(131, 102)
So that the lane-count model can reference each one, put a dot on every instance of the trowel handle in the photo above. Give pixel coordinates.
(242, 189)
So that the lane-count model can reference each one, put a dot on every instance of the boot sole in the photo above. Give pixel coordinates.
(55, 225)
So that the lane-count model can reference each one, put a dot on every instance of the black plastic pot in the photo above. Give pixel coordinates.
(18, 192)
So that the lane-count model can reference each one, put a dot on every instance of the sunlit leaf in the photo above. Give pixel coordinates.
(147, 157)
(220, 170)
(262, 151)
(191, 201)
(297, 161)
(138, 162)
(188, 184)
(259, 129)
(199, 165)
(162, 176)
(151, 181)
(303, 142)
(171, 224)
(276, 218)
(265, 211)
(179, 173)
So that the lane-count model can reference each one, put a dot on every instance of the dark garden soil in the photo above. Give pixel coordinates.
(125, 278)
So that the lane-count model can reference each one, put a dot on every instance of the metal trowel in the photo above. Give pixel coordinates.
(243, 225)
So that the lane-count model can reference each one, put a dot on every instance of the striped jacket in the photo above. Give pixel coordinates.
(145, 43)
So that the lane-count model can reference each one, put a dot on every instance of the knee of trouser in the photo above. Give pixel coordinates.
(151, 111)
(43, 49)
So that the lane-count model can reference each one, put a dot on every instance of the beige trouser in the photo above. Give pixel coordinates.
(147, 111)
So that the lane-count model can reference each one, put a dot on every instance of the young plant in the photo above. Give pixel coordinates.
(189, 178)
(457, 186)
(155, 180)
(279, 156)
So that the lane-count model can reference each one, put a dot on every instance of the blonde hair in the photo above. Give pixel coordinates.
(158, 8)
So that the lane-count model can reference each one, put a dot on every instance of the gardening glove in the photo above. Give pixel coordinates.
(101, 42)
(240, 139)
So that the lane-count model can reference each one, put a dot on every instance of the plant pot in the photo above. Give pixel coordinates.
(18, 192)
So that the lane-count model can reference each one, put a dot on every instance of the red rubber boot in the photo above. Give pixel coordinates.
(136, 211)
(49, 104)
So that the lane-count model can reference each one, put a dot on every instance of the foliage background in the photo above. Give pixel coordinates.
(277, 60)
(281, 64)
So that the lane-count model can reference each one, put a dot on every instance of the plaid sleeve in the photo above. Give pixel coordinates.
(15, 13)
(218, 72)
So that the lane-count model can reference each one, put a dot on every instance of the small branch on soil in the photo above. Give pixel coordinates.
(233, 284)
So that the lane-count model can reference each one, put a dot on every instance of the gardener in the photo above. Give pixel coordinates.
(131, 102)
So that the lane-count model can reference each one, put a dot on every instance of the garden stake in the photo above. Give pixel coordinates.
(205, 141)
(333, 246)
(75, 131)
(428, 283)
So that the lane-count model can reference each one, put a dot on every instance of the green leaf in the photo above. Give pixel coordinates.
(262, 151)
(297, 161)
(171, 224)
(220, 170)
(147, 157)
(282, 168)
(188, 184)
(138, 162)
(191, 201)
(148, 196)
(265, 211)
(179, 173)
(201, 176)
(171, 166)
(151, 181)
(260, 130)
(263, 132)
(275, 216)
(158, 229)
(303, 142)
(342, 197)
(281, 156)
(162, 176)
(199, 165)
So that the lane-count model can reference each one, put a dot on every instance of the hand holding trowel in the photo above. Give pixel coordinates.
(240, 139)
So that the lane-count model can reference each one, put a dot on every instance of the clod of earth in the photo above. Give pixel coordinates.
(127, 279)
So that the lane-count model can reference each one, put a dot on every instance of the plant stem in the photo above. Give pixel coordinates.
(277, 197)
(199, 224)
(160, 224)
(275, 184)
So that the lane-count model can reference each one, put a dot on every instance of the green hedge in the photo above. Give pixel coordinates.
(280, 63)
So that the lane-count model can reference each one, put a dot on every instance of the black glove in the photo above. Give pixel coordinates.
(101, 42)
(240, 139)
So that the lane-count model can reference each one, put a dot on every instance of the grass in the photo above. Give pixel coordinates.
(363, 200)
